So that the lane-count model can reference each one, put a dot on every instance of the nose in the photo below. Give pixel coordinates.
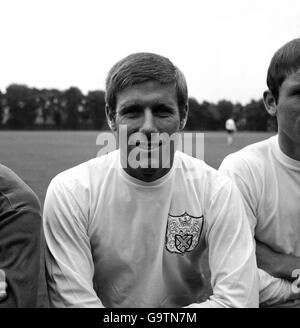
(148, 125)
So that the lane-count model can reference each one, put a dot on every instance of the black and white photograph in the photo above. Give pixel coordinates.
(150, 157)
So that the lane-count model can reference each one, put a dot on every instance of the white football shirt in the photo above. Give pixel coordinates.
(270, 185)
(116, 241)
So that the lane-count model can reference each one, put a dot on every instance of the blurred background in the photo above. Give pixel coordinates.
(55, 56)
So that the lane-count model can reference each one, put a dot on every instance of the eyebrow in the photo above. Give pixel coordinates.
(138, 104)
(163, 106)
(129, 104)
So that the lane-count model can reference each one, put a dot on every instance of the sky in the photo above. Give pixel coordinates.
(222, 47)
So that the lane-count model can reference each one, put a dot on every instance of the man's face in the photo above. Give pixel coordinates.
(147, 108)
(288, 107)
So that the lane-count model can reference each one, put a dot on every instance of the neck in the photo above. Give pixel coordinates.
(288, 146)
(147, 175)
(152, 170)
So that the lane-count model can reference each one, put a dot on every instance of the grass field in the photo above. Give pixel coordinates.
(38, 156)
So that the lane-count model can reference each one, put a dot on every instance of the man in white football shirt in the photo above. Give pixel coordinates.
(268, 176)
(124, 236)
(230, 128)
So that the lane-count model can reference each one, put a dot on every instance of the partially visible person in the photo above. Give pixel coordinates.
(20, 231)
(231, 129)
(268, 175)
(3, 285)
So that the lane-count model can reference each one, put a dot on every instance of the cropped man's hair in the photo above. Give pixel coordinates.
(142, 67)
(285, 61)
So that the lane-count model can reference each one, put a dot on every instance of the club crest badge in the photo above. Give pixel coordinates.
(183, 232)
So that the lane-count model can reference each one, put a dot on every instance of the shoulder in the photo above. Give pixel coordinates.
(215, 190)
(81, 183)
(250, 169)
(15, 193)
(203, 176)
(75, 190)
(250, 158)
(87, 173)
(197, 166)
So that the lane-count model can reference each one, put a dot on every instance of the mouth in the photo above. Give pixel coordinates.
(148, 145)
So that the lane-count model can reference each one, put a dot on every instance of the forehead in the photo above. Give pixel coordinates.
(147, 92)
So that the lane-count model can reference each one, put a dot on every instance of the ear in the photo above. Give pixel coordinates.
(270, 103)
(184, 117)
(111, 118)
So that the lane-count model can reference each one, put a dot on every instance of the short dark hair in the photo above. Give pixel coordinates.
(285, 61)
(143, 67)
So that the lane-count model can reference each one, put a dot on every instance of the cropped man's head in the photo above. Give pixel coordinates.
(285, 61)
(143, 67)
(282, 99)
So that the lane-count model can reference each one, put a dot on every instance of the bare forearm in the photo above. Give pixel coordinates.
(277, 264)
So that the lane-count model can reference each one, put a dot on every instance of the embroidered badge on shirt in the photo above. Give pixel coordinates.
(183, 232)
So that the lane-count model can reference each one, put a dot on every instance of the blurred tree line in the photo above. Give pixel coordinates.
(22, 107)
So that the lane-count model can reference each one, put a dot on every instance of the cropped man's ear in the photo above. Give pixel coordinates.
(184, 116)
(111, 119)
(270, 103)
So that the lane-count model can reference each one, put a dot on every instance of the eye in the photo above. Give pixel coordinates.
(163, 110)
(131, 111)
